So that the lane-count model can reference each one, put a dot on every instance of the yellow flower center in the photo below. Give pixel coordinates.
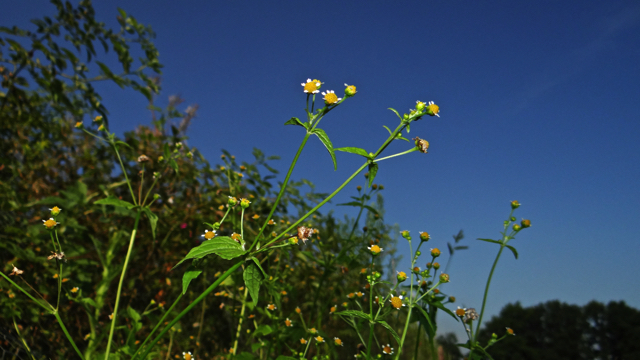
(460, 312)
(386, 349)
(433, 108)
(396, 302)
(375, 249)
(287, 322)
(303, 341)
(310, 87)
(331, 98)
(50, 223)
(333, 309)
(338, 342)
(187, 356)
(351, 89)
(319, 339)
(209, 235)
(55, 209)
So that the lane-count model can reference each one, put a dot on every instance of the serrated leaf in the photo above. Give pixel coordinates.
(153, 220)
(327, 143)
(491, 241)
(112, 200)
(393, 332)
(295, 121)
(354, 150)
(192, 272)
(223, 246)
(252, 279)
(513, 250)
(356, 313)
(373, 170)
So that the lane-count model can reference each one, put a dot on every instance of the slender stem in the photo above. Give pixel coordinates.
(24, 342)
(170, 345)
(124, 270)
(48, 308)
(140, 188)
(204, 307)
(244, 304)
(415, 351)
(66, 333)
(486, 290)
(124, 172)
(398, 154)
(194, 303)
(282, 190)
(160, 323)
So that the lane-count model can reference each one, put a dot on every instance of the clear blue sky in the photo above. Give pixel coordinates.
(539, 103)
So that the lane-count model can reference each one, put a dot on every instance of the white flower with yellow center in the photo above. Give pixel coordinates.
(208, 235)
(311, 86)
(330, 97)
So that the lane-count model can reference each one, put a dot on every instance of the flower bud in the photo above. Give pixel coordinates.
(515, 204)
(359, 187)
(513, 218)
(435, 252)
(405, 234)
(402, 276)
(244, 203)
(156, 196)
(55, 211)
(444, 278)
(293, 240)
(452, 299)
(350, 90)
(424, 236)
(525, 223)
(516, 227)
(232, 201)
(102, 128)
(374, 186)
(418, 253)
(420, 105)
(436, 266)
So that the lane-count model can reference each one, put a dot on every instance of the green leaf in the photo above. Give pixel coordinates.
(431, 329)
(389, 130)
(513, 250)
(123, 143)
(440, 306)
(393, 332)
(327, 143)
(135, 316)
(112, 200)
(89, 301)
(491, 241)
(252, 280)
(259, 267)
(193, 271)
(354, 150)
(295, 121)
(223, 246)
(394, 110)
(373, 170)
(263, 330)
(353, 203)
(153, 220)
(174, 165)
(356, 313)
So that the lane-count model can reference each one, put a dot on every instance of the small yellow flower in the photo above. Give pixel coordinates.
(338, 342)
(351, 295)
(424, 236)
(271, 222)
(221, 207)
(255, 217)
(288, 323)
(311, 86)
(86, 337)
(460, 311)
(303, 341)
(55, 211)
(50, 224)
(319, 339)
(350, 90)
(402, 276)
(102, 127)
(525, 223)
(79, 125)
(375, 249)
(55, 276)
(298, 310)
(333, 309)
(435, 252)
(65, 280)
(515, 204)
(330, 97)
(208, 235)
(387, 349)
(510, 331)
(232, 201)
(433, 109)
(345, 304)
(187, 355)
(271, 307)
(313, 330)
(75, 290)
(359, 294)
(283, 292)
(363, 271)
(396, 301)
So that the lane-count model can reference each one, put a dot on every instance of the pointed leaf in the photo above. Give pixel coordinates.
(252, 280)
(461, 247)
(223, 246)
(394, 110)
(356, 313)
(352, 203)
(123, 143)
(389, 130)
(295, 121)
(112, 200)
(354, 150)
(327, 143)
(450, 249)
(153, 220)
(431, 328)
(440, 306)
(174, 165)
(513, 250)
(193, 271)
(491, 241)
(259, 267)
(393, 332)
(373, 170)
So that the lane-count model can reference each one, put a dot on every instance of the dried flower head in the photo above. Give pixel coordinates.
(304, 233)
(16, 271)
(421, 144)
(55, 255)
(470, 314)
(143, 158)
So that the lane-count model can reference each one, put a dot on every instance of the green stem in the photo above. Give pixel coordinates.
(160, 323)
(124, 172)
(406, 323)
(48, 308)
(24, 342)
(244, 305)
(415, 351)
(124, 270)
(371, 306)
(282, 190)
(398, 154)
(194, 303)
(66, 333)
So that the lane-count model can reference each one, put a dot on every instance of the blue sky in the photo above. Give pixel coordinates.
(539, 103)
